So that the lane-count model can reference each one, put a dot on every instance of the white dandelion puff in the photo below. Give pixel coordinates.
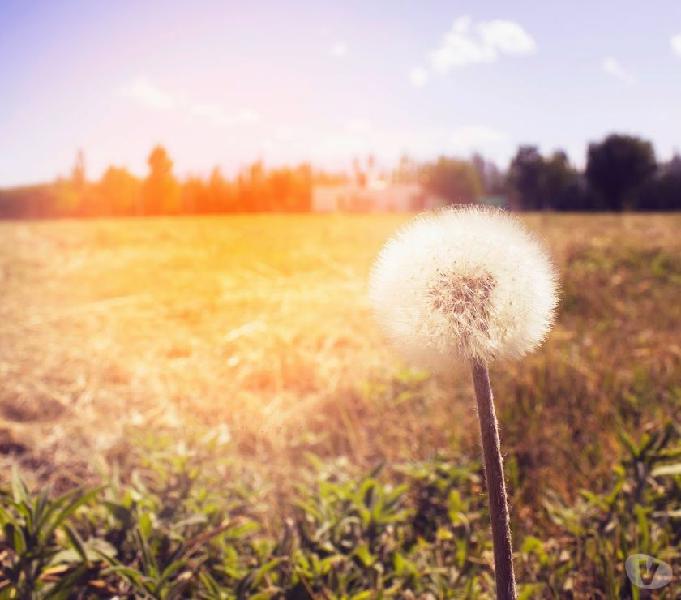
(469, 283)
(464, 282)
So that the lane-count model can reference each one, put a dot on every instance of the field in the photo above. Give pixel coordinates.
(257, 329)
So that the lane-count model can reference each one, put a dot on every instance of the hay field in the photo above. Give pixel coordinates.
(259, 327)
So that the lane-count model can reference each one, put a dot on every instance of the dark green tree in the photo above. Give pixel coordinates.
(617, 168)
(663, 191)
(537, 182)
(564, 187)
(455, 181)
(526, 179)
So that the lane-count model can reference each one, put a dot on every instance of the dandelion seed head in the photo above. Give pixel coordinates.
(463, 282)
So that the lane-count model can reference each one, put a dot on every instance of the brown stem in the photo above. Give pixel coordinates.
(496, 488)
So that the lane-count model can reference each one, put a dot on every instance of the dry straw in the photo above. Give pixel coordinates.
(469, 284)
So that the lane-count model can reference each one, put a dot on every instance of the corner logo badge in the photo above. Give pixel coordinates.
(646, 572)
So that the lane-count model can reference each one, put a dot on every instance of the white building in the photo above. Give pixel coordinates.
(377, 196)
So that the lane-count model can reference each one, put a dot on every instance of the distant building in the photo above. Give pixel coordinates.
(376, 196)
(496, 201)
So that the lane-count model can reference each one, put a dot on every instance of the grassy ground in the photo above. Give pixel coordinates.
(260, 325)
(257, 328)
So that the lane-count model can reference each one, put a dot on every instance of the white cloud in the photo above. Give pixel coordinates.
(339, 49)
(418, 76)
(676, 44)
(149, 95)
(615, 69)
(507, 37)
(468, 43)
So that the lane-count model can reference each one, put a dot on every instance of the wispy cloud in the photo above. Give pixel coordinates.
(506, 37)
(615, 69)
(676, 44)
(339, 49)
(468, 43)
(144, 92)
(153, 97)
(418, 76)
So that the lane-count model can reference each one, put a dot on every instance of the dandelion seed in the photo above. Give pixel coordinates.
(469, 283)
(463, 282)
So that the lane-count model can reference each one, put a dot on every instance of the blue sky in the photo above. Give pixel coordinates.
(223, 83)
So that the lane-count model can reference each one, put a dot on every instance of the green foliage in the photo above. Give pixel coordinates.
(182, 527)
(617, 168)
(595, 535)
(453, 180)
(538, 182)
(38, 532)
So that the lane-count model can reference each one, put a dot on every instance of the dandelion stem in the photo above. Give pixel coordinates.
(496, 488)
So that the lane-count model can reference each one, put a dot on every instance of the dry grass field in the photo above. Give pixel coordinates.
(259, 327)
(257, 438)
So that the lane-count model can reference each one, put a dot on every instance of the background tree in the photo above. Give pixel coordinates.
(491, 177)
(220, 193)
(621, 174)
(526, 179)
(118, 192)
(72, 194)
(78, 176)
(359, 174)
(302, 185)
(161, 191)
(252, 192)
(663, 191)
(406, 171)
(455, 181)
(617, 168)
(546, 183)
(194, 195)
(563, 186)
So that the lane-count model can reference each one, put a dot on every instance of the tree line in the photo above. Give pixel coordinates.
(621, 173)
(120, 193)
